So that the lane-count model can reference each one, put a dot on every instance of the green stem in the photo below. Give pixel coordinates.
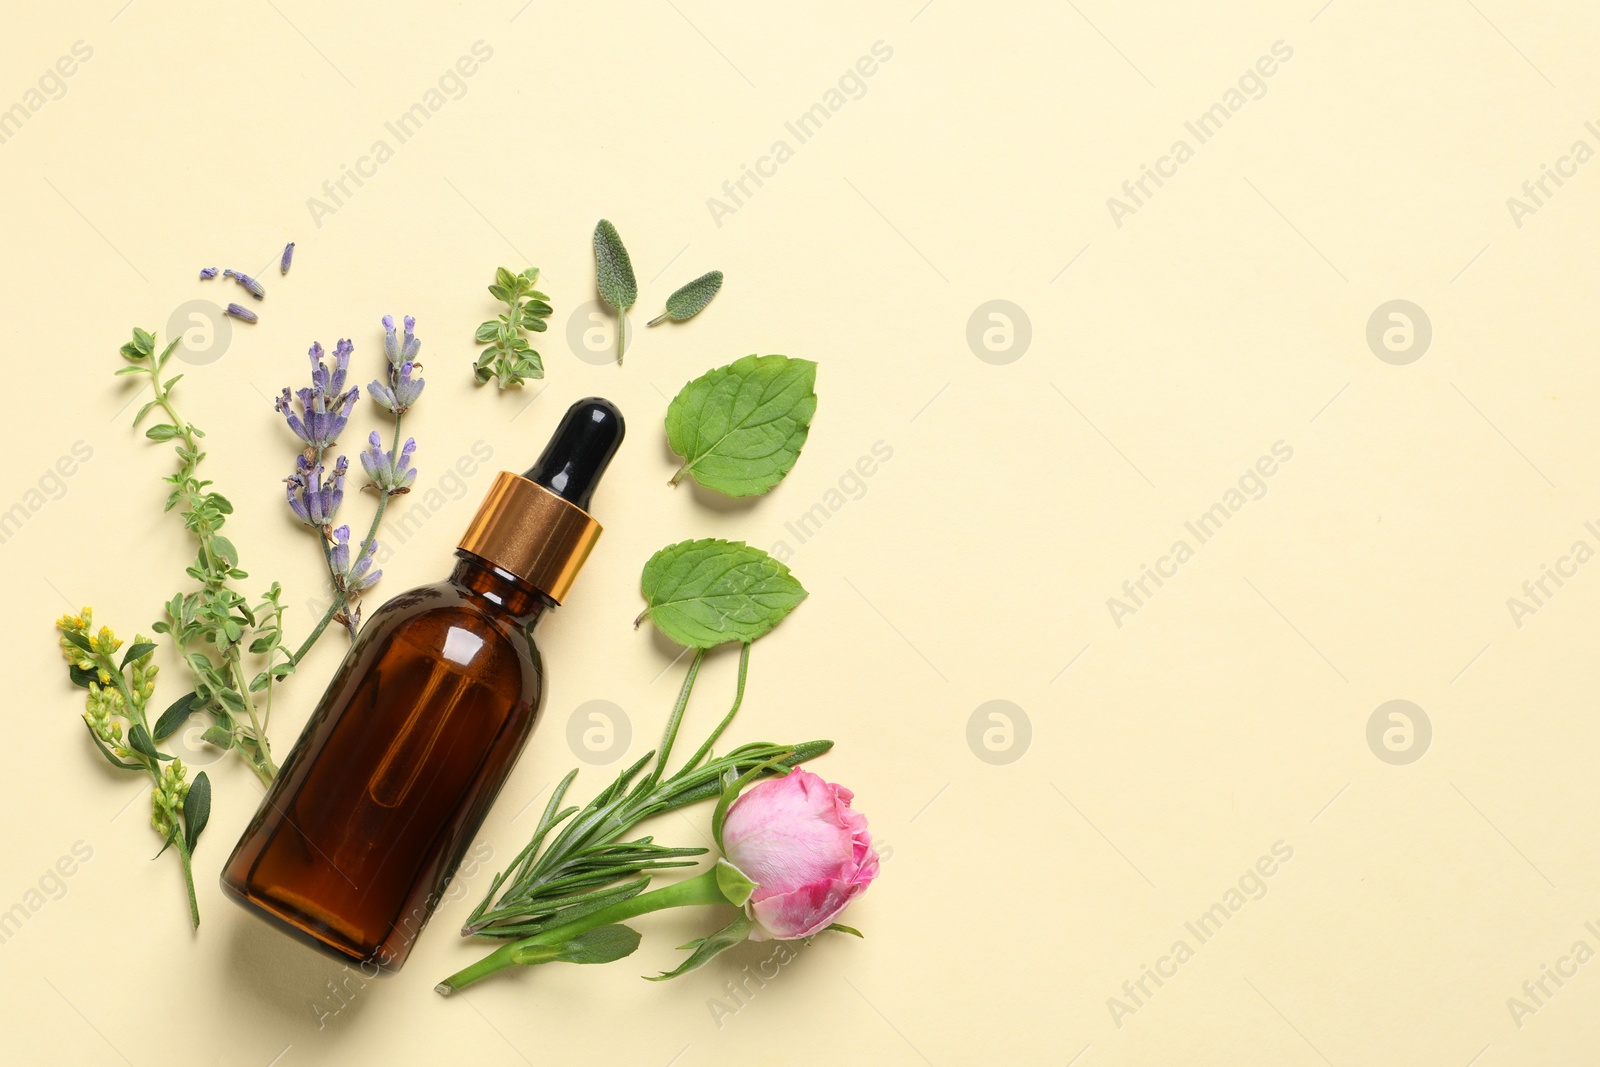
(262, 764)
(738, 698)
(701, 889)
(311, 639)
(673, 721)
(188, 877)
(622, 331)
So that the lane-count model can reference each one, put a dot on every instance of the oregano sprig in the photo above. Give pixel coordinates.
(510, 359)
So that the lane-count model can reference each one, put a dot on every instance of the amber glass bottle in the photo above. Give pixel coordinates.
(358, 835)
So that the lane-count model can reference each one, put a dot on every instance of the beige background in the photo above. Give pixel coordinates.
(1152, 763)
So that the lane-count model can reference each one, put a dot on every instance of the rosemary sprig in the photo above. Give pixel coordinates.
(587, 865)
(214, 626)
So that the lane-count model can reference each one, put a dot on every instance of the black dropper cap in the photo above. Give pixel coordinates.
(579, 452)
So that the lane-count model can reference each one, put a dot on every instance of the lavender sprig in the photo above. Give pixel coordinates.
(317, 415)
(240, 312)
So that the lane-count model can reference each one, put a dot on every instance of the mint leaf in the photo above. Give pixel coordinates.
(740, 428)
(692, 299)
(709, 592)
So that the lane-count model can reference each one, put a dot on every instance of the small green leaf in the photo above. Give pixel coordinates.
(225, 550)
(144, 341)
(603, 944)
(734, 883)
(740, 428)
(164, 431)
(136, 651)
(218, 735)
(106, 752)
(487, 332)
(709, 592)
(139, 741)
(735, 933)
(843, 929)
(196, 809)
(176, 715)
(81, 677)
(613, 269)
(692, 299)
(78, 640)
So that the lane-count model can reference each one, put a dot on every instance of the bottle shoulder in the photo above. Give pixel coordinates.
(431, 614)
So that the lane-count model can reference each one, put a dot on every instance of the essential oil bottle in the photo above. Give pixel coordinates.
(356, 840)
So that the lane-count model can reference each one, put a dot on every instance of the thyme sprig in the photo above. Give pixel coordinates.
(510, 359)
(215, 626)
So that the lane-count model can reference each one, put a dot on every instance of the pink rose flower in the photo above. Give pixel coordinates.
(809, 854)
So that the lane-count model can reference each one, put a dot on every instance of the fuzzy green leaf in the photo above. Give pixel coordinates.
(705, 948)
(196, 809)
(709, 592)
(613, 269)
(692, 299)
(740, 428)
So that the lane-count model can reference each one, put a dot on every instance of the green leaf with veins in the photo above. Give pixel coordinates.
(709, 592)
(740, 428)
(692, 299)
(614, 279)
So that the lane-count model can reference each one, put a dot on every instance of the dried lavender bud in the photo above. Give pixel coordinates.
(288, 257)
(241, 313)
(208, 272)
(246, 281)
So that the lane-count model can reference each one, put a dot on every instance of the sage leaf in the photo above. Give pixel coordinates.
(613, 269)
(196, 809)
(708, 592)
(735, 933)
(614, 276)
(692, 299)
(740, 428)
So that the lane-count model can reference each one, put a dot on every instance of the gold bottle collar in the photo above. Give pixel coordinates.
(526, 529)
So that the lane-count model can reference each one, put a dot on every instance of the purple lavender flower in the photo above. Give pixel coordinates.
(288, 256)
(243, 313)
(392, 475)
(402, 391)
(400, 350)
(312, 499)
(352, 577)
(326, 406)
(248, 282)
(208, 272)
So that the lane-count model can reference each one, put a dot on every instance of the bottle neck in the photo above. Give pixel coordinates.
(504, 590)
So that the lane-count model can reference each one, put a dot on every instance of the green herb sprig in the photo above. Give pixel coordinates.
(510, 359)
(613, 276)
(119, 693)
(215, 626)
